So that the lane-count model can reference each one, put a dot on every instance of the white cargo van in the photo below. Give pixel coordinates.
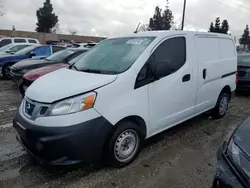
(123, 91)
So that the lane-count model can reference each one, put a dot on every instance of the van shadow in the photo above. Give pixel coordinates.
(242, 93)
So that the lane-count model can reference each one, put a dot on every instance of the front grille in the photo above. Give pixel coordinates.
(43, 110)
(241, 74)
(29, 108)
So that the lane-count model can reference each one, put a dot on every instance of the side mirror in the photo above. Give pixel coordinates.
(32, 54)
(8, 51)
(162, 69)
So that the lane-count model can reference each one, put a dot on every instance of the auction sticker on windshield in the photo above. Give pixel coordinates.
(138, 41)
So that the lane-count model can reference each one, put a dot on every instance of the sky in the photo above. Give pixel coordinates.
(117, 17)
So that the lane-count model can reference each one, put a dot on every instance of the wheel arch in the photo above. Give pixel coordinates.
(226, 89)
(138, 121)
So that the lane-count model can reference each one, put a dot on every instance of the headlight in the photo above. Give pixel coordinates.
(239, 158)
(74, 104)
(24, 71)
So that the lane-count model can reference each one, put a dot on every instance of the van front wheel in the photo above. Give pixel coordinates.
(125, 144)
(222, 105)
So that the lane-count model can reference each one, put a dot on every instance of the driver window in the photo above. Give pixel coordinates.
(173, 51)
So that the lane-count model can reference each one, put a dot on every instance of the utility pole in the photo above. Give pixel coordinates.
(183, 15)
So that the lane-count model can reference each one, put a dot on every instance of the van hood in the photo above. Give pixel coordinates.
(65, 83)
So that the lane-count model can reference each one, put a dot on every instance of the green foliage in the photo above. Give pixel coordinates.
(244, 40)
(46, 18)
(218, 27)
(161, 20)
(211, 28)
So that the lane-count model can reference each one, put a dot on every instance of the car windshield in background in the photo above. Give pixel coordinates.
(25, 50)
(113, 56)
(61, 55)
(4, 48)
(74, 60)
(244, 60)
(16, 48)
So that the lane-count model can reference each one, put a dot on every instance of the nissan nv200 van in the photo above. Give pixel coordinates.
(125, 90)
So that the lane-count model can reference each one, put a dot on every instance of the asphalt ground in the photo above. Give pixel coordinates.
(182, 157)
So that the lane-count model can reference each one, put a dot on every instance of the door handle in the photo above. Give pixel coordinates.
(186, 78)
(204, 73)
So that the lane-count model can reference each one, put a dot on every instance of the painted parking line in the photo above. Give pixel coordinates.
(6, 126)
(8, 110)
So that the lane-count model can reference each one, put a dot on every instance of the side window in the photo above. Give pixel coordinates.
(19, 41)
(17, 48)
(5, 42)
(32, 41)
(42, 51)
(171, 51)
(57, 49)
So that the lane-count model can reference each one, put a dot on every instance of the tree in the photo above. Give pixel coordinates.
(167, 17)
(73, 31)
(224, 27)
(244, 40)
(217, 27)
(211, 28)
(46, 19)
(156, 22)
(162, 21)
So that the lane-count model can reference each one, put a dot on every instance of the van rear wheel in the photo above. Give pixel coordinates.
(222, 105)
(125, 144)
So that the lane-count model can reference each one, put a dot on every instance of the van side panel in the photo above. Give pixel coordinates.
(229, 56)
(119, 99)
(217, 64)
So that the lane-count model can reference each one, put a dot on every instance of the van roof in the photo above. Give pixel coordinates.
(165, 33)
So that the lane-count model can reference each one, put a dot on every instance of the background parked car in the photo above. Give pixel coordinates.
(8, 40)
(233, 169)
(34, 52)
(87, 45)
(32, 75)
(243, 72)
(13, 48)
(19, 69)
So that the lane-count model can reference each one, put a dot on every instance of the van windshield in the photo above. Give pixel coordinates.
(113, 56)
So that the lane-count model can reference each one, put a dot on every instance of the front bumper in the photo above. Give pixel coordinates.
(15, 77)
(226, 176)
(243, 85)
(83, 142)
(23, 85)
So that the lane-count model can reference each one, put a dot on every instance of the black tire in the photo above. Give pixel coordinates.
(123, 131)
(217, 112)
(4, 71)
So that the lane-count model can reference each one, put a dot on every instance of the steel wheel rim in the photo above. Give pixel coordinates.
(223, 105)
(126, 145)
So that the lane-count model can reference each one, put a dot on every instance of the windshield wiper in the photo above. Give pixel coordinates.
(91, 71)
